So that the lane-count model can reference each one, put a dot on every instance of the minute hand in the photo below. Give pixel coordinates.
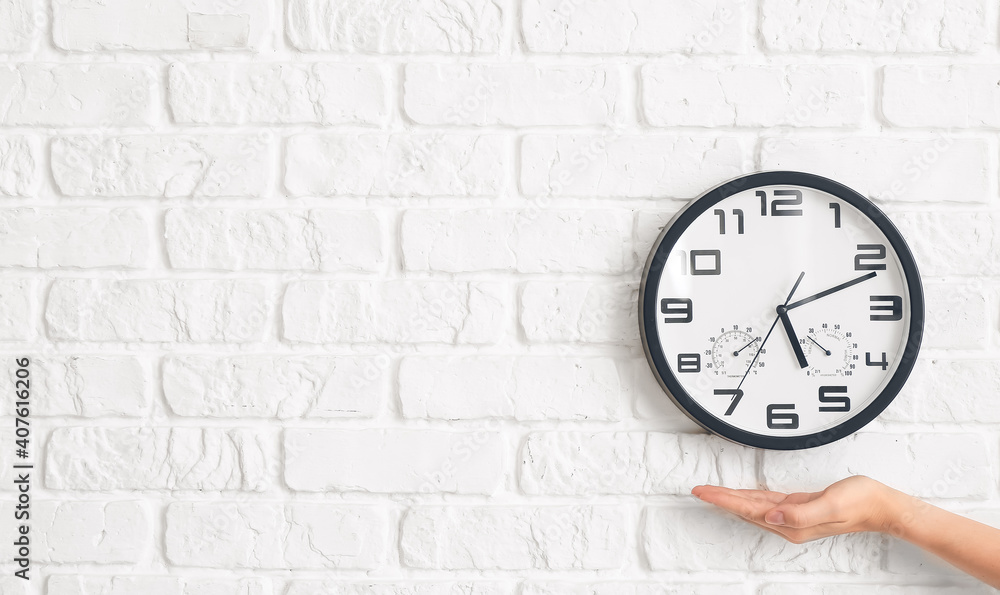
(827, 292)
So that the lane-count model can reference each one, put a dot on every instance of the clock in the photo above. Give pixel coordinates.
(781, 310)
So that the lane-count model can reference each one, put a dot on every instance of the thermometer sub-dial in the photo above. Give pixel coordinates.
(733, 353)
(829, 351)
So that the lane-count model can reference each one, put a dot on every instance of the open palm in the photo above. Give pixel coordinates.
(850, 505)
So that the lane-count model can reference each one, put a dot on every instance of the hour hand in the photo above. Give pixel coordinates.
(792, 338)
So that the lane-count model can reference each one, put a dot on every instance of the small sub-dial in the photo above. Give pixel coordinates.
(733, 352)
(829, 350)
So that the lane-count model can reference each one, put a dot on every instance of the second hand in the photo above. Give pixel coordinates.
(773, 324)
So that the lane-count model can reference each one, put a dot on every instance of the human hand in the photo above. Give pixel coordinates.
(854, 504)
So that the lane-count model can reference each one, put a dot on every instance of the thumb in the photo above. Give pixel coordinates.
(799, 516)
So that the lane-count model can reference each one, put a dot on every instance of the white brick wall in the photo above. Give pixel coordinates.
(339, 296)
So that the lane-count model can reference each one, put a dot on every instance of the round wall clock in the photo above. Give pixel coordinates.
(781, 310)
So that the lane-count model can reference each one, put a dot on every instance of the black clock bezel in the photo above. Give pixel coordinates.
(652, 274)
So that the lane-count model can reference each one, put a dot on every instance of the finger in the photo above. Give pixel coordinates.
(788, 533)
(807, 514)
(741, 506)
(764, 495)
(802, 497)
(752, 510)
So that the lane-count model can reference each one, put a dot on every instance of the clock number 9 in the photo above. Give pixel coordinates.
(781, 202)
(677, 309)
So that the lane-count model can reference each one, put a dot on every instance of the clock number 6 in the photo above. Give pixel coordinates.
(781, 202)
(778, 420)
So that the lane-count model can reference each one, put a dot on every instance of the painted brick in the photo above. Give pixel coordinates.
(20, 165)
(633, 588)
(956, 315)
(580, 312)
(926, 465)
(85, 386)
(65, 584)
(393, 311)
(18, 25)
(330, 587)
(275, 386)
(163, 165)
(946, 243)
(423, 164)
(523, 388)
(282, 93)
(84, 532)
(523, 241)
(552, 538)
(65, 237)
(512, 95)
(634, 26)
(753, 96)
(893, 26)
(385, 26)
(105, 95)
(112, 25)
(236, 239)
(394, 461)
(948, 390)
(19, 305)
(196, 311)
(627, 166)
(929, 168)
(89, 458)
(943, 96)
(698, 539)
(584, 463)
(274, 535)
(866, 589)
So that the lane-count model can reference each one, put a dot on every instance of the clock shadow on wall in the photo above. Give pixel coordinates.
(781, 310)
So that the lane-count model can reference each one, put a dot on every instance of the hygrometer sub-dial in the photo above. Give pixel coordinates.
(829, 351)
(733, 352)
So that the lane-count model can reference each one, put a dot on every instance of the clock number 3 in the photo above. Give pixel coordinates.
(894, 307)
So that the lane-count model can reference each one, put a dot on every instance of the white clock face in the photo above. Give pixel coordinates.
(756, 360)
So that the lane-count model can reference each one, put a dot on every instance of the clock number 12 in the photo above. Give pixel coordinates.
(781, 202)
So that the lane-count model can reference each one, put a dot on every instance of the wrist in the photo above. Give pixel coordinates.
(898, 512)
